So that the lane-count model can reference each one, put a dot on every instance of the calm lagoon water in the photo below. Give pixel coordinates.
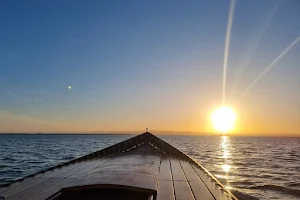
(252, 167)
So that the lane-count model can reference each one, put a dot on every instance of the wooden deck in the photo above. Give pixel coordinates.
(144, 166)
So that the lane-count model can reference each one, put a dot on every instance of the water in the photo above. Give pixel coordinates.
(21, 155)
(258, 168)
(252, 167)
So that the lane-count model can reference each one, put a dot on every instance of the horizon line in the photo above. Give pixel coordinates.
(158, 132)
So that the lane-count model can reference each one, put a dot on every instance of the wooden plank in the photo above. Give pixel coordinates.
(165, 169)
(177, 171)
(94, 174)
(20, 186)
(53, 189)
(199, 189)
(165, 190)
(133, 180)
(52, 181)
(203, 176)
(88, 169)
(62, 169)
(29, 179)
(137, 164)
(211, 185)
(23, 187)
(189, 171)
(23, 182)
(216, 190)
(15, 184)
(71, 171)
(67, 180)
(35, 183)
(138, 180)
(2, 189)
(131, 162)
(34, 190)
(182, 191)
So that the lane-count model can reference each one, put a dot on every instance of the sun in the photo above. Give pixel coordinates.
(223, 119)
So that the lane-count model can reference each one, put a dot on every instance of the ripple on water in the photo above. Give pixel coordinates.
(243, 195)
(288, 190)
(260, 168)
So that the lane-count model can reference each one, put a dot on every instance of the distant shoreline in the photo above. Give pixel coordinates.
(168, 134)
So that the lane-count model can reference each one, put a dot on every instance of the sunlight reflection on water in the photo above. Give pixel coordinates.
(225, 144)
(258, 167)
(226, 168)
(252, 167)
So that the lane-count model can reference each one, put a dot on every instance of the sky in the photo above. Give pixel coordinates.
(157, 64)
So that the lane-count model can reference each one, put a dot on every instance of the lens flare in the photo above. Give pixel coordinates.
(227, 42)
(271, 65)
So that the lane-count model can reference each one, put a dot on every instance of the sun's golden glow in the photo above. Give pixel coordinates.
(223, 119)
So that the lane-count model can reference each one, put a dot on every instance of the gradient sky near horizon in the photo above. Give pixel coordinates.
(136, 64)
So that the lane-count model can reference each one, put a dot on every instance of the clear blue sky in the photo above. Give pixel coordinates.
(134, 64)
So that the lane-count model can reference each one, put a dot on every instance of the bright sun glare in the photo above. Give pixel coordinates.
(223, 119)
